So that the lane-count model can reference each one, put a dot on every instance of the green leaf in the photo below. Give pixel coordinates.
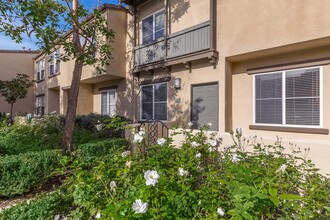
(272, 191)
(275, 200)
(290, 197)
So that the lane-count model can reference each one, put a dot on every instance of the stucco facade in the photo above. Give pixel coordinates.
(214, 48)
(14, 62)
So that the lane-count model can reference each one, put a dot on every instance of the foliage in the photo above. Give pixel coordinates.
(195, 179)
(39, 208)
(40, 134)
(89, 152)
(43, 133)
(15, 89)
(20, 173)
(3, 119)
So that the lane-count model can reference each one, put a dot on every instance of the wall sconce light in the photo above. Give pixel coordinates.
(177, 83)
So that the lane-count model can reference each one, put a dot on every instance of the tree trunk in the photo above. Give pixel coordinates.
(74, 91)
(11, 113)
(70, 117)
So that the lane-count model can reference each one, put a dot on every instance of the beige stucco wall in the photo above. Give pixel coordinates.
(181, 14)
(56, 88)
(11, 63)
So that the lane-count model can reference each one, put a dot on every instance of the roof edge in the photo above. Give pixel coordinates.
(18, 51)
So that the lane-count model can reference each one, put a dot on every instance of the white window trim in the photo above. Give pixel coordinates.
(283, 99)
(153, 25)
(153, 101)
(108, 104)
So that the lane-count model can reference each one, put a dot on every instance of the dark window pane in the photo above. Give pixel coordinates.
(147, 26)
(303, 111)
(147, 39)
(147, 94)
(161, 111)
(159, 34)
(147, 110)
(161, 92)
(159, 21)
(269, 111)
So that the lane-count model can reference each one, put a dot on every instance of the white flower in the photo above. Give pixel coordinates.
(125, 153)
(139, 206)
(142, 132)
(190, 124)
(266, 152)
(98, 127)
(112, 114)
(213, 143)
(194, 144)
(220, 211)
(113, 185)
(182, 172)
(161, 141)
(128, 164)
(98, 215)
(198, 155)
(239, 131)
(211, 149)
(138, 138)
(282, 168)
(209, 124)
(235, 158)
(151, 177)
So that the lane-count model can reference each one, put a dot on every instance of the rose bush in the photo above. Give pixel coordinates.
(199, 179)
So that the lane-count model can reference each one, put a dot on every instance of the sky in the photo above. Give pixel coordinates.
(27, 43)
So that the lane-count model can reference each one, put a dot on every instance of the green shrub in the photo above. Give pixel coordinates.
(44, 207)
(41, 134)
(90, 151)
(20, 173)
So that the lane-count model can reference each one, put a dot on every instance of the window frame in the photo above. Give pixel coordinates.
(40, 66)
(153, 101)
(153, 26)
(284, 98)
(42, 107)
(53, 62)
(108, 101)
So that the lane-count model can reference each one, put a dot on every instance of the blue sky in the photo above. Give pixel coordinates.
(7, 43)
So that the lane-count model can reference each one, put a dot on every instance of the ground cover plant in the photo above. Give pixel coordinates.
(196, 179)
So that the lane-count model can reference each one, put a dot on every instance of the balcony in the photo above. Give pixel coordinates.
(186, 43)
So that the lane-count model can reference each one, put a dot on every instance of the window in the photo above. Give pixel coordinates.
(54, 62)
(108, 102)
(40, 105)
(289, 98)
(154, 101)
(40, 66)
(153, 27)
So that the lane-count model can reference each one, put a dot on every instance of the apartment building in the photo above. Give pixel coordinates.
(97, 91)
(13, 62)
(261, 65)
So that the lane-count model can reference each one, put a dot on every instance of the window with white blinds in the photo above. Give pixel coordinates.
(108, 102)
(291, 98)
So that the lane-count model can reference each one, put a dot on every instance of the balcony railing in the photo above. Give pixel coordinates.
(187, 41)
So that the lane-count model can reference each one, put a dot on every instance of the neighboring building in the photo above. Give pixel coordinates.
(261, 65)
(13, 62)
(97, 91)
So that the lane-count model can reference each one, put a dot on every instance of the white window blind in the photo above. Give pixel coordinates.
(289, 98)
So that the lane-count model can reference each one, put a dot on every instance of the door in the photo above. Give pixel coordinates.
(205, 104)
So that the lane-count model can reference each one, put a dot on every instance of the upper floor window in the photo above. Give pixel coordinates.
(154, 101)
(108, 102)
(153, 27)
(40, 70)
(54, 62)
(289, 98)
